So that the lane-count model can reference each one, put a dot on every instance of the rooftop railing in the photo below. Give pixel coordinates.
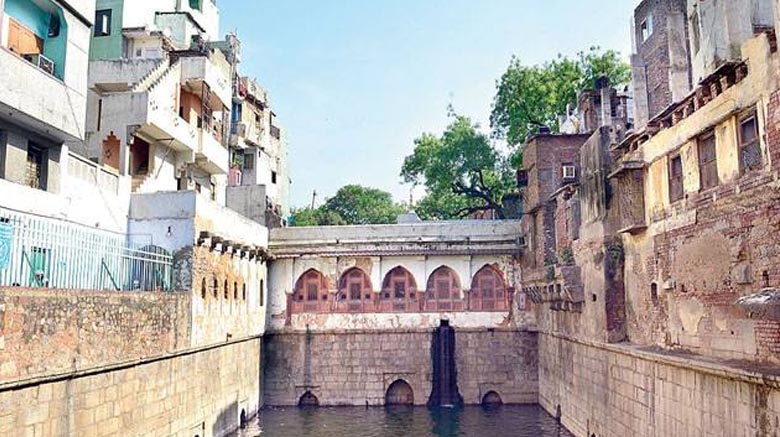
(48, 253)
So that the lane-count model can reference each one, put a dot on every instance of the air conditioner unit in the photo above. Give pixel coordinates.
(569, 172)
(43, 63)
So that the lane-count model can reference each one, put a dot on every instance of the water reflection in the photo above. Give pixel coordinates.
(515, 421)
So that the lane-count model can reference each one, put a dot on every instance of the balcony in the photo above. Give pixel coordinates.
(629, 181)
(152, 111)
(212, 156)
(243, 132)
(197, 70)
(38, 100)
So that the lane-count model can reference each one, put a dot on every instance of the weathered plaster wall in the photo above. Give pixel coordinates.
(44, 332)
(698, 255)
(226, 293)
(357, 367)
(197, 392)
(624, 390)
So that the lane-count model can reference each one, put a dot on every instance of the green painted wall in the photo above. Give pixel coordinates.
(38, 20)
(109, 46)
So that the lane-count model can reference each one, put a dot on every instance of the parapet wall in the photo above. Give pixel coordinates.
(357, 367)
(195, 393)
(619, 390)
(45, 332)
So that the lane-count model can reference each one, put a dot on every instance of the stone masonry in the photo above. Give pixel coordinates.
(356, 368)
(199, 392)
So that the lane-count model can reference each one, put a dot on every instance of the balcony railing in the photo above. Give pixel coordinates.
(43, 252)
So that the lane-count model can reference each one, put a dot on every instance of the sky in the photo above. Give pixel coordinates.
(354, 82)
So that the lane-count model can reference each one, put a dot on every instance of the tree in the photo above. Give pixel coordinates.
(462, 172)
(359, 205)
(352, 205)
(529, 97)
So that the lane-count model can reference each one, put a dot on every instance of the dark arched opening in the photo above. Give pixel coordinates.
(491, 398)
(308, 400)
(243, 419)
(399, 393)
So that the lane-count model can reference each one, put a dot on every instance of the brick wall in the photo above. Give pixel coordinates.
(620, 390)
(663, 57)
(55, 331)
(195, 393)
(356, 368)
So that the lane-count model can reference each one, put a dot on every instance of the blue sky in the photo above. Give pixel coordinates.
(355, 81)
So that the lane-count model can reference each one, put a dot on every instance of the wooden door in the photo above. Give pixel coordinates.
(22, 40)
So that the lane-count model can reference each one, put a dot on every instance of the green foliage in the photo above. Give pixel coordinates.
(352, 205)
(529, 97)
(461, 170)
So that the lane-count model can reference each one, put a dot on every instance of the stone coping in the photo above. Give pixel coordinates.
(293, 331)
(758, 373)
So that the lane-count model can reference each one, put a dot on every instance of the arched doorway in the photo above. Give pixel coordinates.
(308, 400)
(399, 393)
(491, 398)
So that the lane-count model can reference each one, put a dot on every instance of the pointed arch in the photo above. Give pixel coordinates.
(399, 291)
(355, 291)
(488, 290)
(442, 292)
(311, 292)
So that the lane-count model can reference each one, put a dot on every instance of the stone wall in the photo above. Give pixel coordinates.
(197, 392)
(56, 331)
(356, 368)
(615, 390)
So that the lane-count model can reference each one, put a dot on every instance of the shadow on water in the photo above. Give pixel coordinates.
(405, 421)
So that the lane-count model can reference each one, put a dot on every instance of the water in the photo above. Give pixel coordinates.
(514, 421)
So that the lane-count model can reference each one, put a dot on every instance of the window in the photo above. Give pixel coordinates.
(749, 147)
(676, 190)
(695, 32)
(273, 177)
(196, 4)
(399, 290)
(310, 289)
(355, 289)
(33, 175)
(708, 162)
(443, 290)
(103, 22)
(262, 291)
(249, 161)
(488, 291)
(203, 288)
(569, 172)
(646, 28)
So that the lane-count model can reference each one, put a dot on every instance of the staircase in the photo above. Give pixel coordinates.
(152, 77)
